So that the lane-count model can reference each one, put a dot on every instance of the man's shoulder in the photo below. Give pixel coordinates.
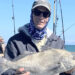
(54, 41)
(18, 37)
(54, 37)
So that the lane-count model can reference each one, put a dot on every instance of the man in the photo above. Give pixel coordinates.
(34, 36)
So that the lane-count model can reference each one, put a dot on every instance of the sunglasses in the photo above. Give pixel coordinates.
(37, 12)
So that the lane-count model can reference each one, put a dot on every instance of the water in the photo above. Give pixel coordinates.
(70, 48)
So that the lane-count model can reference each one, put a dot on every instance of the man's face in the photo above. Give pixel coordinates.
(40, 17)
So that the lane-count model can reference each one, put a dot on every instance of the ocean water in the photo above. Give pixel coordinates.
(70, 48)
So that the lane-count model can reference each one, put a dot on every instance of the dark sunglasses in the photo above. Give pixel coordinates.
(37, 12)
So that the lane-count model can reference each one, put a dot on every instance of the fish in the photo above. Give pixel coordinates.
(48, 62)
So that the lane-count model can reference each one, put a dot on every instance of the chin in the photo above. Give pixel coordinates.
(39, 28)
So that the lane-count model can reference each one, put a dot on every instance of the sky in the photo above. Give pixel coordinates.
(22, 11)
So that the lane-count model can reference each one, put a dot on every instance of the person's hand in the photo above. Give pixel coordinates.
(21, 71)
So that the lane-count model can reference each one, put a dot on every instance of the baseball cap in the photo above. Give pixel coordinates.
(44, 3)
